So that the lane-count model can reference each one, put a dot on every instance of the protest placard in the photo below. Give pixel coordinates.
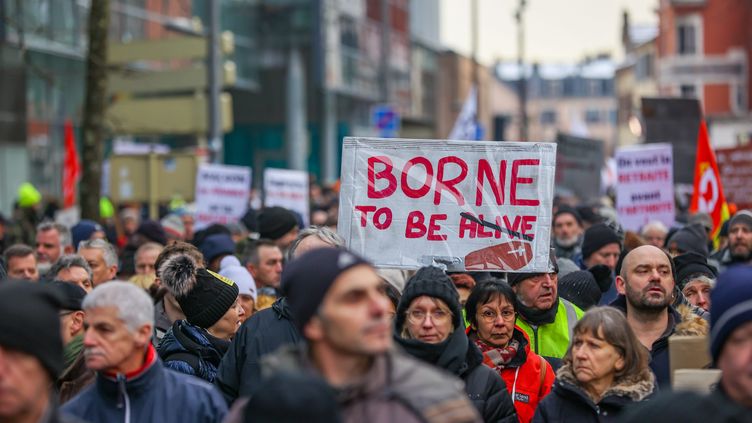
(645, 187)
(462, 205)
(288, 189)
(221, 194)
(735, 166)
(578, 165)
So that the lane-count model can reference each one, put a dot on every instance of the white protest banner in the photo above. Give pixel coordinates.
(288, 189)
(221, 194)
(645, 187)
(465, 205)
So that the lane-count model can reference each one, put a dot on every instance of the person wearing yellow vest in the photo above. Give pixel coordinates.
(546, 319)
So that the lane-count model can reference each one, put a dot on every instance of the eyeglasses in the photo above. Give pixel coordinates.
(489, 316)
(437, 316)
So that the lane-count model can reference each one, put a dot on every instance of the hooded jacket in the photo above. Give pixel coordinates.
(681, 321)
(527, 381)
(239, 372)
(568, 402)
(397, 388)
(152, 394)
(189, 349)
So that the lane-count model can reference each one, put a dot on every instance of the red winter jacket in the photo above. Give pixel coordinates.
(526, 381)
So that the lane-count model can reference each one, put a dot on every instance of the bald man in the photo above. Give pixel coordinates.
(646, 292)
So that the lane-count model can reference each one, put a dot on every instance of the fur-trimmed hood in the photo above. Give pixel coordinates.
(691, 324)
(634, 388)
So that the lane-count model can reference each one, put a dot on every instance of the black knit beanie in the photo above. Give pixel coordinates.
(275, 222)
(153, 231)
(584, 288)
(30, 323)
(431, 282)
(204, 296)
(565, 209)
(690, 264)
(307, 279)
(691, 238)
(597, 237)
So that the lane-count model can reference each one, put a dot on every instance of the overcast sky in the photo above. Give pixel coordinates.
(555, 30)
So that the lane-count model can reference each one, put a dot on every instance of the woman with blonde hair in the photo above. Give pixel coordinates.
(605, 370)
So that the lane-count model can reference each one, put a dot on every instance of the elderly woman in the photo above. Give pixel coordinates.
(429, 326)
(196, 345)
(605, 370)
(695, 278)
(491, 309)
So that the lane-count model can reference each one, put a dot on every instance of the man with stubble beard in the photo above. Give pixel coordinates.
(646, 288)
(739, 249)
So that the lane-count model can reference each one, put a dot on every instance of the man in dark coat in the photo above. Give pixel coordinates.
(337, 301)
(131, 384)
(731, 349)
(646, 288)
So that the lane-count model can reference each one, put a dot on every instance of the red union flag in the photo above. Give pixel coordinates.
(708, 192)
(71, 167)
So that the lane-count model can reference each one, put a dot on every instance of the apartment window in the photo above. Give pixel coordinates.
(689, 34)
(548, 117)
(644, 67)
(592, 116)
(688, 91)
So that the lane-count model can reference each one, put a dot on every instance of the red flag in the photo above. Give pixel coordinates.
(71, 167)
(708, 193)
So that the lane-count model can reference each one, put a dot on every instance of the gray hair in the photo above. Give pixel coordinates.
(322, 232)
(697, 277)
(654, 224)
(71, 260)
(108, 251)
(135, 307)
(66, 238)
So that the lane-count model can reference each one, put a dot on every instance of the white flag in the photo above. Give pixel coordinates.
(466, 127)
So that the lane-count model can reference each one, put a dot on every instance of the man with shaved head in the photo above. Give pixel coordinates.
(646, 292)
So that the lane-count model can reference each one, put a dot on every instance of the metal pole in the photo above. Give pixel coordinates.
(216, 143)
(385, 50)
(474, 46)
(297, 141)
(329, 139)
(521, 64)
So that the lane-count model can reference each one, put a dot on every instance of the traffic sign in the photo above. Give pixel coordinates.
(386, 120)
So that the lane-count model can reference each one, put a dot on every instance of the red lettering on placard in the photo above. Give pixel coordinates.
(484, 170)
(416, 227)
(433, 228)
(517, 180)
(423, 190)
(364, 210)
(384, 174)
(442, 185)
(467, 226)
(387, 213)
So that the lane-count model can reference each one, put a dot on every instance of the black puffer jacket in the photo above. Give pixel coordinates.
(567, 402)
(239, 373)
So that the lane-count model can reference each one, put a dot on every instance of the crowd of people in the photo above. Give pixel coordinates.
(265, 320)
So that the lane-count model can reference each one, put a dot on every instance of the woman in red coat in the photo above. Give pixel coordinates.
(491, 310)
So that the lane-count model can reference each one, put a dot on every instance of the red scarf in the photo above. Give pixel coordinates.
(498, 358)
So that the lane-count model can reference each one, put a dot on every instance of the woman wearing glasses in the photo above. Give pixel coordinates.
(429, 326)
(491, 310)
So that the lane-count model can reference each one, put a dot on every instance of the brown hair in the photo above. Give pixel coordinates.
(609, 324)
